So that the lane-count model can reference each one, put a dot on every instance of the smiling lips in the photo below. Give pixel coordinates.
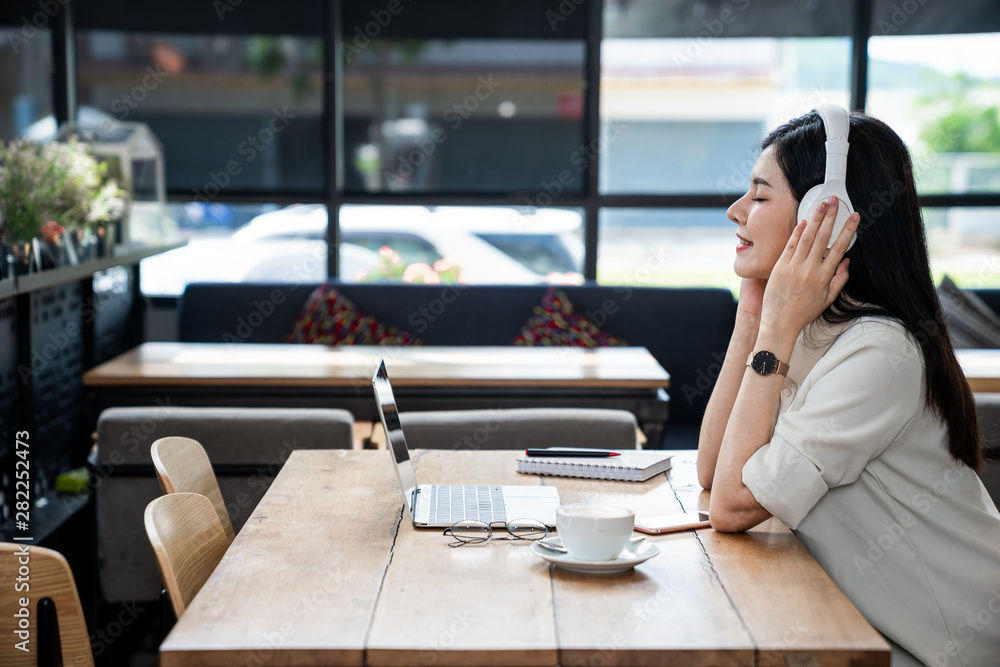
(744, 243)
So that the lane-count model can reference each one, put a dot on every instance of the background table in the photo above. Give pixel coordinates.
(326, 572)
(982, 368)
(423, 378)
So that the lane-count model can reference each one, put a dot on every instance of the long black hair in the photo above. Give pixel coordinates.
(890, 273)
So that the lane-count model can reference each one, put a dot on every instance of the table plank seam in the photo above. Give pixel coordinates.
(715, 576)
(555, 615)
(381, 585)
(704, 551)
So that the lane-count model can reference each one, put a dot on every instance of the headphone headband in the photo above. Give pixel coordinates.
(836, 120)
(837, 124)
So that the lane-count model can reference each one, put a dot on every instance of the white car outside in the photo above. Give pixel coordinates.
(289, 245)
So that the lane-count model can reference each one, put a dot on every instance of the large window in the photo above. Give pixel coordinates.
(235, 114)
(462, 244)
(676, 246)
(687, 91)
(233, 242)
(679, 117)
(941, 93)
(25, 81)
(462, 115)
(964, 244)
(622, 129)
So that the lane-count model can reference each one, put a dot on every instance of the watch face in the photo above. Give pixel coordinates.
(765, 363)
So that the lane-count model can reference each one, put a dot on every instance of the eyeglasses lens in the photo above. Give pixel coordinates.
(466, 532)
(527, 529)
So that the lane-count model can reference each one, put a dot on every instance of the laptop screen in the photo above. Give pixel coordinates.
(395, 441)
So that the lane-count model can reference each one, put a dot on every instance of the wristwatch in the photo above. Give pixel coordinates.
(765, 363)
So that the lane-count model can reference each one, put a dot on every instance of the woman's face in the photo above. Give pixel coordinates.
(765, 216)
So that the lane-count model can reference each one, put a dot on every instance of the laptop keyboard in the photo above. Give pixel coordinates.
(451, 503)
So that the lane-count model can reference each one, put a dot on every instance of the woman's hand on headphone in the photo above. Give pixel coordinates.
(808, 277)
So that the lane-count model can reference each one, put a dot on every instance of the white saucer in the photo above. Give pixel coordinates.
(633, 554)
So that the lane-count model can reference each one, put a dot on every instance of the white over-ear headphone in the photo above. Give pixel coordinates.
(837, 124)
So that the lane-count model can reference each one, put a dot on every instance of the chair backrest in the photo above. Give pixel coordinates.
(182, 466)
(520, 428)
(188, 541)
(48, 576)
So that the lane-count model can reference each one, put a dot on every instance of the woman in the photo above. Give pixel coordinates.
(868, 449)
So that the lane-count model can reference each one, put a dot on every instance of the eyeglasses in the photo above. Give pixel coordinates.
(473, 532)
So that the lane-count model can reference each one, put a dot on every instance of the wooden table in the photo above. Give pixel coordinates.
(982, 368)
(326, 572)
(424, 378)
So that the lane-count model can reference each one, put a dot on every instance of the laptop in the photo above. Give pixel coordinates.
(441, 505)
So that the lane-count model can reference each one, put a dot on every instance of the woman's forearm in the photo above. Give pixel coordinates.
(732, 506)
(720, 403)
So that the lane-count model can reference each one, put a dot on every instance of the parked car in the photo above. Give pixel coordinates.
(489, 244)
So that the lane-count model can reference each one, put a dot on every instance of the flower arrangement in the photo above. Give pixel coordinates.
(53, 185)
(391, 268)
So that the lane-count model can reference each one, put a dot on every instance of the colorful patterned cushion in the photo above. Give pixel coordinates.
(555, 321)
(330, 318)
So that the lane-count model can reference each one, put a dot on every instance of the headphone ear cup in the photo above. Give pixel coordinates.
(844, 211)
(807, 207)
(810, 201)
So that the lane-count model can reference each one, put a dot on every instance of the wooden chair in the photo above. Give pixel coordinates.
(188, 541)
(182, 466)
(49, 577)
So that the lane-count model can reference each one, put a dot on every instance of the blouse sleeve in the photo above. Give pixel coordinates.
(860, 397)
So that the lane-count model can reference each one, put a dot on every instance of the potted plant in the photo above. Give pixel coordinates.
(55, 191)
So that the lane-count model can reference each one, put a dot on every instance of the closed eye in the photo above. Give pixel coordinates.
(758, 199)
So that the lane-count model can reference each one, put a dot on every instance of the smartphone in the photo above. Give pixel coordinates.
(669, 523)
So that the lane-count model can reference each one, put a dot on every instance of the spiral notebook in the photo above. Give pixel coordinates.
(631, 466)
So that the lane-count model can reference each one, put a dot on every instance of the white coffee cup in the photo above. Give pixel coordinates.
(594, 532)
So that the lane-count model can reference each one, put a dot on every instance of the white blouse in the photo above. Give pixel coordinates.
(858, 467)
